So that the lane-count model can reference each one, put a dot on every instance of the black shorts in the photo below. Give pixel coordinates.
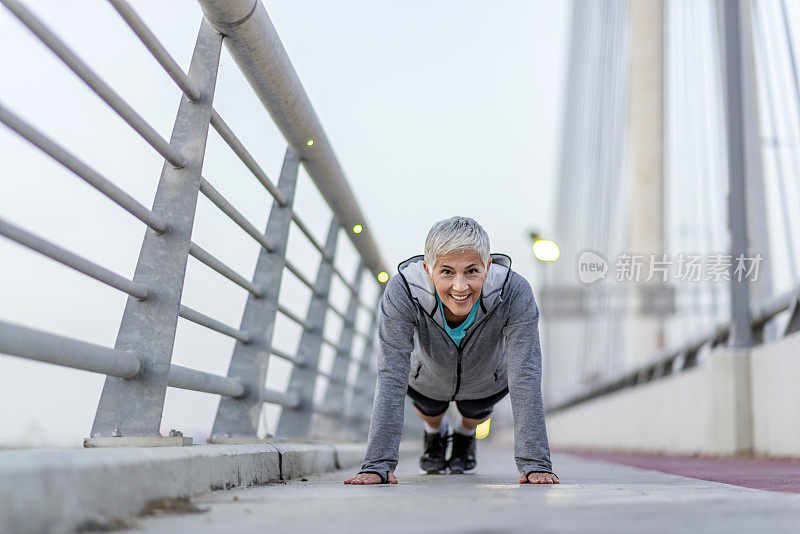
(471, 409)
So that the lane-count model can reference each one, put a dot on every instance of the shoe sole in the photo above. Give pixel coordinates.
(464, 472)
(434, 467)
(424, 472)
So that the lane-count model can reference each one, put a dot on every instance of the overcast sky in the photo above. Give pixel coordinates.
(434, 109)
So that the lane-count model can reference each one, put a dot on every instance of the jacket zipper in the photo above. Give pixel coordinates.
(466, 339)
(463, 346)
(458, 373)
(460, 350)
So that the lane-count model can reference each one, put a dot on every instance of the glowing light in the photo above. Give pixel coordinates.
(482, 430)
(383, 276)
(357, 229)
(310, 142)
(546, 250)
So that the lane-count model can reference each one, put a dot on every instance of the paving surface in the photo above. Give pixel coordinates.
(594, 496)
(773, 474)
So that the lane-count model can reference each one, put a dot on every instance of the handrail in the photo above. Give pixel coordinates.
(136, 378)
(661, 364)
(257, 49)
(175, 72)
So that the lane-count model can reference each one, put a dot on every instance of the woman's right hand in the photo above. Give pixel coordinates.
(370, 478)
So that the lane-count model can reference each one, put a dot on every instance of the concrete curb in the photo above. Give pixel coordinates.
(299, 459)
(349, 454)
(59, 490)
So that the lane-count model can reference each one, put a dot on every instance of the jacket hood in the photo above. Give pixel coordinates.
(422, 290)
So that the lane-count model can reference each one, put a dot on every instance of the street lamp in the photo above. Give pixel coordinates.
(544, 249)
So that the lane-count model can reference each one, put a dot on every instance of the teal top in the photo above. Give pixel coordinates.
(458, 333)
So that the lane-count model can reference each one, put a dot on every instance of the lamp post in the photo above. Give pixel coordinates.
(546, 251)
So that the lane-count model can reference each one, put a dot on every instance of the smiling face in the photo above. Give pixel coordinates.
(458, 278)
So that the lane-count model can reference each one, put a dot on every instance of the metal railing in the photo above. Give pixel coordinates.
(139, 367)
(686, 356)
(592, 351)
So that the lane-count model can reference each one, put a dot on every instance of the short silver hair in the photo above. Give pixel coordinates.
(456, 234)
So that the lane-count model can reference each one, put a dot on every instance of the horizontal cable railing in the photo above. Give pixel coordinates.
(155, 47)
(685, 356)
(59, 350)
(238, 148)
(204, 320)
(81, 170)
(292, 316)
(201, 255)
(300, 276)
(100, 88)
(339, 349)
(185, 378)
(340, 315)
(70, 259)
(133, 395)
(227, 208)
(288, 357)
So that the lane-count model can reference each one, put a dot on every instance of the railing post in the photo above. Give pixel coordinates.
(238, 418)
(131, 408)
(335, 394)
(296, 422)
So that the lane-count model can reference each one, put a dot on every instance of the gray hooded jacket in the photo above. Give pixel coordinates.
(501, 349)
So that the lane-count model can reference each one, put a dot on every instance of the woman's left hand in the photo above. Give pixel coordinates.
(538, 478)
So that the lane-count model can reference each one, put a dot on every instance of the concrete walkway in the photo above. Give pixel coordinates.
(594, 496)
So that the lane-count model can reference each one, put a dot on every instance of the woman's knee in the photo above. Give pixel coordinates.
(426, 416)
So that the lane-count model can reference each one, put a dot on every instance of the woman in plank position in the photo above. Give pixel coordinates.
(457, 324)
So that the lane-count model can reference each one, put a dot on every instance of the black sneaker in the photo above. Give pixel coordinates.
(434, 449)
(462, 457)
